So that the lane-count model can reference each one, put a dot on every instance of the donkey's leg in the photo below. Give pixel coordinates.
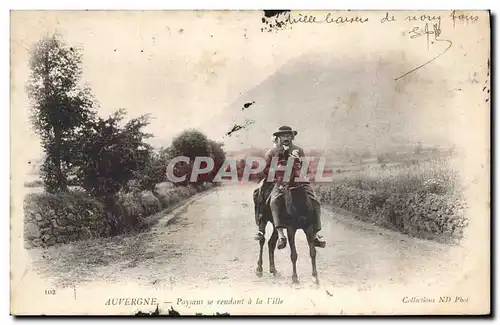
(271, 247)
(293, 253)
(258, 270)
(312, 253)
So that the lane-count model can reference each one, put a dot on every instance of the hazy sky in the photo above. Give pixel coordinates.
(198, 72)
(181, 72)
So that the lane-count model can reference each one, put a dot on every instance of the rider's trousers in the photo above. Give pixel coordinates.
(275, 204)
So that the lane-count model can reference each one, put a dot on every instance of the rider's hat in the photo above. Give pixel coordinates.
(285, 129)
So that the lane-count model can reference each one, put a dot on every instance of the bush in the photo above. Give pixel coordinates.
(348, 198)
(428, 216)
(170, 194)
(421, 200)
(133, 208)
(150, 203)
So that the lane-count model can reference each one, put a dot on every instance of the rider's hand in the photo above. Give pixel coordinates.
(295, 153)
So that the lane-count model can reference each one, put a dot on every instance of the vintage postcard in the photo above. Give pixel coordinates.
(251, 162)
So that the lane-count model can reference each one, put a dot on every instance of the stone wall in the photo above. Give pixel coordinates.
(51, 219)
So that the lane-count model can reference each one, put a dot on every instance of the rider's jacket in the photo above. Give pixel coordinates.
(283, 153)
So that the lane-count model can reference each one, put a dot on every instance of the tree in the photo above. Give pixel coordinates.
(190, 143)
(366, 154)
(59, 105)
(381, 158)
(153, 172)
(418, 148)
(219, 156)
(109, 156)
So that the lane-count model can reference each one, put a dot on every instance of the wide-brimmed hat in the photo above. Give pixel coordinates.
(285, 129)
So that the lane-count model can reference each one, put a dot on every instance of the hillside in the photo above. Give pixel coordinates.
(335, 105)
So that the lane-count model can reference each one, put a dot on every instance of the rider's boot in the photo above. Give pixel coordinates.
(318, 241)
(281, 238)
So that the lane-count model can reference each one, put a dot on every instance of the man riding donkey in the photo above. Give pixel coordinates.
(273, 189)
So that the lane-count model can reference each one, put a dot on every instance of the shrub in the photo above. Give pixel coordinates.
(428, 216)
(134, 207)
(150, 203)
(419, 199)
(130, 212)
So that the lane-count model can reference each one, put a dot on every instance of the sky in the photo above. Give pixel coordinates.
(197, 69)
(182, 73)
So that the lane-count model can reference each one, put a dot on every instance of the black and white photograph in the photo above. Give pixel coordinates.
(250, 162)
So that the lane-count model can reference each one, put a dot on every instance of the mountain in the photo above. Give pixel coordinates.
(337, 104)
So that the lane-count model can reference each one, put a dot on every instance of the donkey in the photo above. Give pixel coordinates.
(302, 209)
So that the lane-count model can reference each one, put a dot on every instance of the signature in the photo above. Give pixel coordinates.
(432, 35)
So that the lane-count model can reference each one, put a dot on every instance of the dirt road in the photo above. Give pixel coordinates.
(209, 242)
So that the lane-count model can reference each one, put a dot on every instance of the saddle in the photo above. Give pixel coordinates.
(294, 198)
